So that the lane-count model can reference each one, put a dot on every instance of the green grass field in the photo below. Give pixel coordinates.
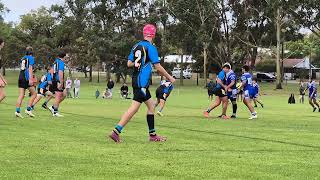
(282, 144)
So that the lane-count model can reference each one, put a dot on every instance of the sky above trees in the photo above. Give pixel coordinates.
(19, 7)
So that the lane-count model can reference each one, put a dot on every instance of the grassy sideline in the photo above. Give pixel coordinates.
(282, 144)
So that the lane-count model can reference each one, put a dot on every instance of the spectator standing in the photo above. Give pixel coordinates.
(76, 84)
(69, 87)
(302, 92)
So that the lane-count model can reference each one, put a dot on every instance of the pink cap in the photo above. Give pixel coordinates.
(149, 30)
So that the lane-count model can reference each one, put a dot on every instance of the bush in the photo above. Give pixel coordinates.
(266, 66)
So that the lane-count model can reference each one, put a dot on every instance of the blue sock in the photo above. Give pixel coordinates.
(209, 110)
(18, 110)
(119, 128)
(29, 108)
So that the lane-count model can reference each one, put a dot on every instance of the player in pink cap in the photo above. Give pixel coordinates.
(149, 30)
(142, 56)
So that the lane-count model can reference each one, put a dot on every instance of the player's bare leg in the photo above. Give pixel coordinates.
(312, 105)
(212, 107)
(224, 101)
(247, 102)
(60, 96)
(2, 94)
(37, 99)
(258, 101)
(126, 117)
(153, 137)
(161, 104)
(19, 102)
(316, 103)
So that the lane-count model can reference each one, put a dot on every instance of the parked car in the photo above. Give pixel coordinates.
(187, 73)
(265, 77)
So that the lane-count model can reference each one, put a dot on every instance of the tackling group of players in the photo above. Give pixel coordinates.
(226, 89)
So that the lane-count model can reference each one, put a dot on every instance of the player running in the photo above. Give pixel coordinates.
(141, 58)
(25, 82)
(313, 94)
(58, 83)
(221, 95)
(3, 82)
(162, 94)
(231, 88)
(45, 82)
(248, 89)
(256, 95)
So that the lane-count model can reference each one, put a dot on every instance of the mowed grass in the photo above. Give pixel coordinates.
(282, 144)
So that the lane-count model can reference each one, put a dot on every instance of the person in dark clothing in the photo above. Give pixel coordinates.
(210, 87)
(110, 86)
(124, 90)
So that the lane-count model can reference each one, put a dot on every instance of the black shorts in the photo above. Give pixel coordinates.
(44, 91)
(54, 87)
(141, 95)
(210, 92)
(159, 94)
(23, 82)
(220, 93)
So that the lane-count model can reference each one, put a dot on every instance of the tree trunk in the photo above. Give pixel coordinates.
(99, 73)
(108, 75)
(205, 61)
(90, 74)
(278, 86)
(181, 70)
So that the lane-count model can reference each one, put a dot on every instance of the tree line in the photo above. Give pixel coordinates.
(213, 31)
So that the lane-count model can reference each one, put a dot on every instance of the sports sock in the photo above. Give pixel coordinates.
(254, 113)
(32, 106)
(209, 110)
(234, 109)
(55, 109)
(150, 121)
(18, 110)
(29, 108)
(118, 129)
(160, 109)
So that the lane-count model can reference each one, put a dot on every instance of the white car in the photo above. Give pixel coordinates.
(187, 74)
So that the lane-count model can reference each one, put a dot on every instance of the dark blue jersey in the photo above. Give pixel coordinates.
(256, 88)
(25, 63)
(246, 79)
(231, 76)
(57, 66)
(143, 55)
(312, 87)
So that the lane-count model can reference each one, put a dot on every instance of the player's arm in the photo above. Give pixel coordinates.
(231, 84)
(30, 69)
(219, 81)
(130, 64)
(163, 72)
(1, 77)
(61, 79)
